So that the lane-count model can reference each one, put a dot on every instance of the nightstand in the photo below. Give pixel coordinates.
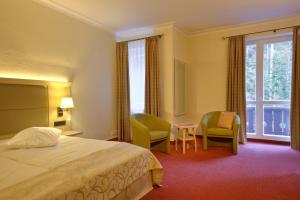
(72, 133)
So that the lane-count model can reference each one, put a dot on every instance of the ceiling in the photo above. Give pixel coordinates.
(189, 15)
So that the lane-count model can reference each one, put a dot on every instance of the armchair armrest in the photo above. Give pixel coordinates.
(204, 123)
(140, 134)
(236, 125)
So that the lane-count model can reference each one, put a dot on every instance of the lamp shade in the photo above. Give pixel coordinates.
(67, 102)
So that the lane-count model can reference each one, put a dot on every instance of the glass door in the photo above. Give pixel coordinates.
(268, 87)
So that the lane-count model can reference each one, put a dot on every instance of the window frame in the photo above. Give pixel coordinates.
(259, 101)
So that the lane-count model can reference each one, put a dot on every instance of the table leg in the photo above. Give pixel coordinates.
(183, 141)
(176, 139)
(195, 138)
(187, 143)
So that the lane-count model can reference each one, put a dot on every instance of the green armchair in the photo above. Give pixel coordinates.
(212, 133)
(150, 132)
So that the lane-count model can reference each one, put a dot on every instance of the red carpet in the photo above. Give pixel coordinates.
(259, 171)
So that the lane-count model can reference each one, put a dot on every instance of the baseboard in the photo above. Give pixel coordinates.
(262, 141)
(268, 141)
(248, 139)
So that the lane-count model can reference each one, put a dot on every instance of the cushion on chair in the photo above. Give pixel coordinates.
(226, 120)
(157, 135)
(219, 131)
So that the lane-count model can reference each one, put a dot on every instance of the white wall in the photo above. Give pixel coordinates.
(40, 43)
(93, 89)
(181, 46)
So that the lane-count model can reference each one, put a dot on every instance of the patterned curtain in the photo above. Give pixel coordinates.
(295, 99)
(236, 93)
(152, 96)
(123, 92)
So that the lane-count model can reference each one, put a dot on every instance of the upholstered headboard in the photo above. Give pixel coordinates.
(22, 106)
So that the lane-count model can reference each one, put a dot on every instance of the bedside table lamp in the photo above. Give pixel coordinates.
(66, 103)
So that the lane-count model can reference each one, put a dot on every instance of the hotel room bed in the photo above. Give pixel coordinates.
(78, 168)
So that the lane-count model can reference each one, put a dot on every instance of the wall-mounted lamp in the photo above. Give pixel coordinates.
(66, 103)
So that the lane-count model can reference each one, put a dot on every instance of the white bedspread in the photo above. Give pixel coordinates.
(12, 172)
(20, 164)
(69, 149)
(73, 166)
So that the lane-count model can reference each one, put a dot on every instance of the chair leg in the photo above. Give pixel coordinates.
(235, 146)
(204, 142)
(167, 142)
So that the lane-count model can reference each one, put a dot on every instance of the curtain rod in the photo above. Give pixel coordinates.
(274, 30)
(143, 38)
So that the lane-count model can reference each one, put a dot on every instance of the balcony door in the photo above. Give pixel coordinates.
(268, 87)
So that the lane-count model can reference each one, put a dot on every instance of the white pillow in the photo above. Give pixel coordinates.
(35, 137)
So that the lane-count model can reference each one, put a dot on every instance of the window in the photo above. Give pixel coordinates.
(136, 57)
(268, 87)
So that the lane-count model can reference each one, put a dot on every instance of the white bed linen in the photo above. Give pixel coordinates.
(68, 149)
(78, 167)
(17, 165)
(12, 172)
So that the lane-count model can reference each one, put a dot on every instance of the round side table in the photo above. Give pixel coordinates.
(184, 135)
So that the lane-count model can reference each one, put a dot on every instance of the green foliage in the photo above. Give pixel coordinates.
(251, 72)
(276, 71)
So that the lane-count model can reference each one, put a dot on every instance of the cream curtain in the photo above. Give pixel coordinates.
(236, 94)
(295, 99)
(123, 92)
(152, 96)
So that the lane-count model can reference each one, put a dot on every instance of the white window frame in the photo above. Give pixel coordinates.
(260, 102)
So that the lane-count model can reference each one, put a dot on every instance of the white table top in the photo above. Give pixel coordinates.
(185, 125)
